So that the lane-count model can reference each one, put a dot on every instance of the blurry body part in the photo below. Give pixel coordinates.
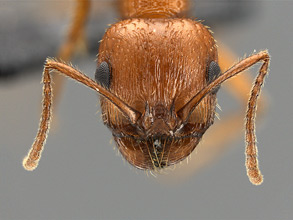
(159, 116)
(36, 30)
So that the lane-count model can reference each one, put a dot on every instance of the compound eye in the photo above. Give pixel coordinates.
(103, 75)
(214, 72)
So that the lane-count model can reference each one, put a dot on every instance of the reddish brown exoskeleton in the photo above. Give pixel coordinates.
(158, 76)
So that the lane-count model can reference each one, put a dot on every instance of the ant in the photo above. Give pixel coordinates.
(158, 75)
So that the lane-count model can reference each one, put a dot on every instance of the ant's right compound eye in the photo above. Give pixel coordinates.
(103, 75)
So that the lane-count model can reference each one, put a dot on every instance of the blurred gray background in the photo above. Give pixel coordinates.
(80, 176)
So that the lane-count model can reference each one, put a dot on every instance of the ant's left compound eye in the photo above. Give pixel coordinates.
(214, 72)
(103, 75)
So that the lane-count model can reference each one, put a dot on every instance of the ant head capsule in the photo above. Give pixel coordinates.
(157, 76)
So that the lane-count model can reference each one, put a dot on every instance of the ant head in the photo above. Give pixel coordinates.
(156, 68)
